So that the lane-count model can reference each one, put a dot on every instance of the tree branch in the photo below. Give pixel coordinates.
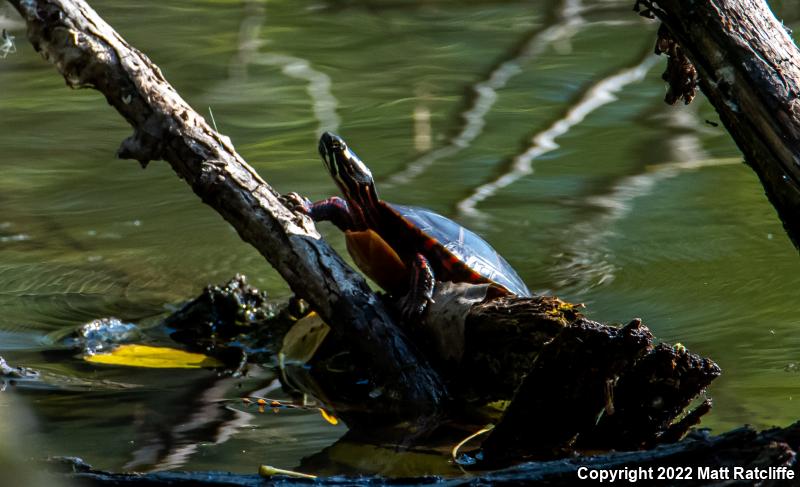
(749, 68)
(89, 53)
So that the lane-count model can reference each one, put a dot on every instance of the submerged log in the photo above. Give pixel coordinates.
(595, 387)
(748, 66)
(89, 53)
(740, 457)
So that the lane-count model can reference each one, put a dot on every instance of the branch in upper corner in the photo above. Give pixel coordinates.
(748, 66)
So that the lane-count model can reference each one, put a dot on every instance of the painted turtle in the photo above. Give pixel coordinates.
(404, 249)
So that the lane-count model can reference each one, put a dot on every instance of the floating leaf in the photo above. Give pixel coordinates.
(329, 417)
(153, 357)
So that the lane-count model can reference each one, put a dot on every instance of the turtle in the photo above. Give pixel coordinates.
(404, 249)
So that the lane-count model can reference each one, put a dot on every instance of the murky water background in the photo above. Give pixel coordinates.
(538, 124)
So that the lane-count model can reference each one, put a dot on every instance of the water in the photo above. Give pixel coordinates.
(539, 126)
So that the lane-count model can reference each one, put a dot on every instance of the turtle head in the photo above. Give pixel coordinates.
(351, 175)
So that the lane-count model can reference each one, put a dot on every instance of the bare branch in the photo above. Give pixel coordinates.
(89, 53)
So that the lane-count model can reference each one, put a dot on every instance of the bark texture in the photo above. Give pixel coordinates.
(596, 387)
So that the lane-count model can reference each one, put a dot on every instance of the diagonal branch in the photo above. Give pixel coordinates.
(749, 68)
(89, 53)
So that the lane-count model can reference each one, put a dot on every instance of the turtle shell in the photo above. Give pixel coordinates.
(466, 246)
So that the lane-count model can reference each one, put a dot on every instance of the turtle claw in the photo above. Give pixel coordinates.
(298, 203)
(413, 305)
(412, 308)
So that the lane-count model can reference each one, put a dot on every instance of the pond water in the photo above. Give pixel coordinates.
(539, 125)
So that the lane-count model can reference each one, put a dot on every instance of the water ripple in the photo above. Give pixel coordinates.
(484, 92)
(323, 103)
(585, 263)
(599, 94)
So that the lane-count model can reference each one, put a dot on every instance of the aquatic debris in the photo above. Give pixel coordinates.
(9, 374)
(329, 417)
(153, 358)
(7, 45)
(222, 316)
(302, 340)
(277, 405)
(680, 74)
(268, 471)
(465, 459)
(102, 334)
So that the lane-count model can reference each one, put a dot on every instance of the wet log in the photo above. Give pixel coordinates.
(748, 66)
(586, 386)
(731, 457)
(502, 337)
(595, 387)
(90, 54)
(568, 388)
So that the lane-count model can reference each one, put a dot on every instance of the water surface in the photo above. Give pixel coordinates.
(539, 125)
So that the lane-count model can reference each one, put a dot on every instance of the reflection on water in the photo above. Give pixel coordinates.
(484, 93)
(583, 263)
(632, 211)
(318, 83)
(599, 94)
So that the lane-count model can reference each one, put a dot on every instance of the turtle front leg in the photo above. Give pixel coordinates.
(333, 209)
(420, 292)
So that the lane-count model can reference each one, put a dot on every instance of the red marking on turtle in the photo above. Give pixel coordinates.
(385, 238)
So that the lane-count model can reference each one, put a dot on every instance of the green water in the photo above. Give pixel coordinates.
(635, 208)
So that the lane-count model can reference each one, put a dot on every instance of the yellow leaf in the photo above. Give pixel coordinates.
(500, 405)
(153, 357)
(329, 417)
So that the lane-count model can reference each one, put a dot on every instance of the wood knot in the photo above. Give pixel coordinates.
(142, 147)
